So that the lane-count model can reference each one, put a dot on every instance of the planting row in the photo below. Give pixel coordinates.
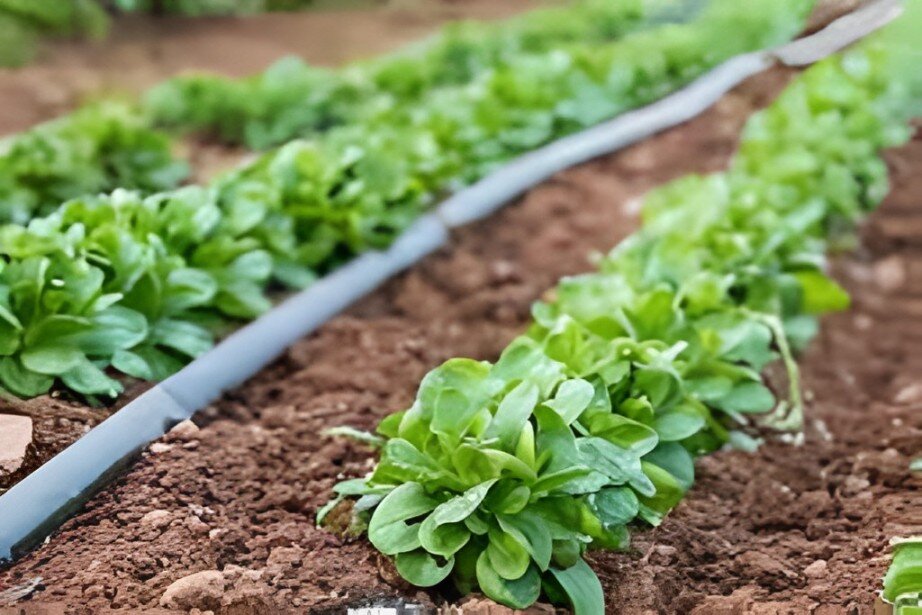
(144, 283)
(24, 22)
(500, 476)
(95, 149)
(292, 99)
(98, 149)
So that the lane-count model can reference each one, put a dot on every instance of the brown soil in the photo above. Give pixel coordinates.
(141, 52)
(237, 497)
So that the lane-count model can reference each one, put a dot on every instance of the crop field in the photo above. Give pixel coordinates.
(678, 376)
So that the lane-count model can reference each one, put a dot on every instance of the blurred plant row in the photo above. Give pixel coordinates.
(23, 23)
(138, 280)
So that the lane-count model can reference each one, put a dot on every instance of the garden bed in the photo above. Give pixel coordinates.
(220, 516)
(790, 528)
(805, 529)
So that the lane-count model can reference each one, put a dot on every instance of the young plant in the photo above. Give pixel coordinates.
(95, 149)
(903, 581)
(501, 476)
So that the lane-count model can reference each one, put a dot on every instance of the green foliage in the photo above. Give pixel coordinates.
(500, 476)
(22, 22)
(903, 581)
(564, 66)
(292, 99)
(190, 262)
(80, 291)
(95, 149)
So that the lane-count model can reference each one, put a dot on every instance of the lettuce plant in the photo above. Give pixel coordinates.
(81, 290)
(96, 149)
(903, 581)
(23, 22)
(501, 477)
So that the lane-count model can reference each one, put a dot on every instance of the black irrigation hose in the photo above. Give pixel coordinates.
(38, 504)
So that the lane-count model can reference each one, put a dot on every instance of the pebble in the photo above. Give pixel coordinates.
(184, 430)
(816, 570)
(890, 273)
(156, 518)
(197, 526)
(93, 591)
(196, 591)
(160, 447)
(911, 394)
(15, 438)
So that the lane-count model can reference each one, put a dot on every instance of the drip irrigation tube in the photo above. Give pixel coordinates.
(35, 506)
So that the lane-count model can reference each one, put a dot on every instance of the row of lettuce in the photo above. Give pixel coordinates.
(141, 283)
(293, 100)
(500, 476)
(75, 155)
(23, 23)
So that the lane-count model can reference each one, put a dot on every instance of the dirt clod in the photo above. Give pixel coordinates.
(202, 590)
(816, 570)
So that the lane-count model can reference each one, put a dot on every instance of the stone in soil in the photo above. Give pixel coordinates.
(15, 438)
(201, 590)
